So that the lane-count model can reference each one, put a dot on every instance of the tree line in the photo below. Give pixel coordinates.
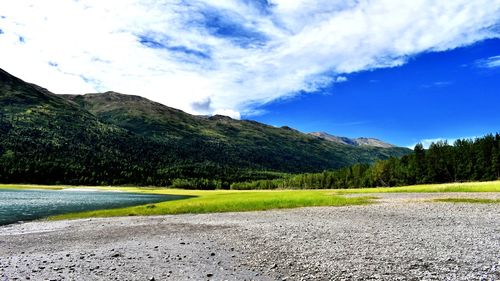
(59, 143)
(39, 150)
(465, 160)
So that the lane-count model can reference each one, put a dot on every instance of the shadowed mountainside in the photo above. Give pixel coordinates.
(112, 138)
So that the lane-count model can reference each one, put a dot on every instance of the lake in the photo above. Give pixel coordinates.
(23, 205)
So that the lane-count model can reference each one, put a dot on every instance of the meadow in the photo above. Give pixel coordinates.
(225, 201)
(239, 201)
(489, 186)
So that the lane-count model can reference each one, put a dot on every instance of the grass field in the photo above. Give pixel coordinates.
(33, 186)
(491, 186)
(468, 200)
(237, 201)
(224, 201)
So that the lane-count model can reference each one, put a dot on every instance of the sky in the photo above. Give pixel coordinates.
(401, 71)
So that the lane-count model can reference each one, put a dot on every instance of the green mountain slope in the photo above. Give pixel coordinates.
(47, 139)
(268, 147)
(112, 138)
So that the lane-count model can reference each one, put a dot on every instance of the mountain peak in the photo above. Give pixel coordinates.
(218, 117)
(362, 141)
(373, 142)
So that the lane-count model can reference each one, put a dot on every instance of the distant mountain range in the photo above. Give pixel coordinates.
(353, 142)
(111, 138)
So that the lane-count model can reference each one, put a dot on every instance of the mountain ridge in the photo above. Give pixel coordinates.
(111, 138)
(360, 141)
(111, 95)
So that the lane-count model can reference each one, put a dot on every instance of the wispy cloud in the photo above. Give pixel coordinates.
(235, 54)
(491, 62)
(438, 84)
(341, 79)
(427, 142)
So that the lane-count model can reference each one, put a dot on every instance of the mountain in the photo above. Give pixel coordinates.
(353, 142)
(111, 138)
(48, 139)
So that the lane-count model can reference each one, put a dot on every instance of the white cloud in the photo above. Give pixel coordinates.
(215, 56)
(228, 112)
(341, 79)
(438, 84)
(427, 142)
(491, 62)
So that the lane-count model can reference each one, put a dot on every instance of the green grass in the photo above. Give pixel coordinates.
(239, 201)
(32, 186)
(209, 201)
(492, 186)
(468, 200)
(222, 201)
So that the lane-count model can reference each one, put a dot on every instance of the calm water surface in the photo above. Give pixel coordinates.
(23, 205)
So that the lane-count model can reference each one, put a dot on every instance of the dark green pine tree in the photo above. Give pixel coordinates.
(464, 159)
(484, 149)
(496, 157)
(420, 164)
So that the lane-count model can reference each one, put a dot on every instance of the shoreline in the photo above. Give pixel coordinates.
(208, 201)
(402, 236)
(25, 205)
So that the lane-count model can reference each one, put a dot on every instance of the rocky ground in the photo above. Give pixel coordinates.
(403, 237)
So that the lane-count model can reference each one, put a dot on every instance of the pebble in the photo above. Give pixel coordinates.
(395, 239)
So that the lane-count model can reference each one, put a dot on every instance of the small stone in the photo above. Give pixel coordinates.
(209, 275)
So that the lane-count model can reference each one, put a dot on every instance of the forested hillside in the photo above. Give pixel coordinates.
(118, 139)
(465, 160)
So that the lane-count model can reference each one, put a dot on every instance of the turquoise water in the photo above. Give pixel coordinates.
(24, 205)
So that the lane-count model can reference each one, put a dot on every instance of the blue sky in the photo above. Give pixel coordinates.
(443, 95)
(401, 71)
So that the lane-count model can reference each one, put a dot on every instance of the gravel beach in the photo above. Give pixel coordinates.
(401, 237)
